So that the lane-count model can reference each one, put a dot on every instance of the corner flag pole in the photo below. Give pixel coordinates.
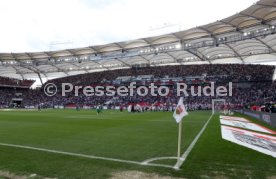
(179, 143)
(178, 115)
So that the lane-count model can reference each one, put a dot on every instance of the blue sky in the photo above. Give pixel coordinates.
(42, 25)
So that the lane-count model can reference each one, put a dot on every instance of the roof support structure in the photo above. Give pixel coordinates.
(122, 48)
(35, 70)
(95, 61)
(59, 69)
(228, 23)
(254, 17)
(261, 14)
(174, 59)
(17, 71)
(199, 55)
(210, 33)
(148, 60)
(265, 44)
(266, 5)
(28, 54)
(148, 42)
(95, 50)
(236, 53)
(71, 52)
(144, 58)
(250, 51)
(39, 76)
(117, 59)
(73, 65)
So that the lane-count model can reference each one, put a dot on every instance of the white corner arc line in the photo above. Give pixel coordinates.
(157, 158)
(191, 146)
(83, 155)
(157, 165)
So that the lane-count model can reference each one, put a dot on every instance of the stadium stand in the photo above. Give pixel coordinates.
(228, 72)
(252, 85)
(10, 82)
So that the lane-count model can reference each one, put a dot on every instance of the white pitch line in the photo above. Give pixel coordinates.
(157, 158)
(191, 146)
(83, 155)
(158, 165)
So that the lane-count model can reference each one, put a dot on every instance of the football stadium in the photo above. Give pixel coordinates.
(192, 103)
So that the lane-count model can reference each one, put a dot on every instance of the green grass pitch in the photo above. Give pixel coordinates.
(124, 136)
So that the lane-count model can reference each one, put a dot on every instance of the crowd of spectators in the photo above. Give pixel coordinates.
(252, 85)
(218, 72)
(11, 82)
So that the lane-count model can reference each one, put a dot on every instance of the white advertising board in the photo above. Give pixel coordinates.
(246, 125)
(234, 118)
(260, 142)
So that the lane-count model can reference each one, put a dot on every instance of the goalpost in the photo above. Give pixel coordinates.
(218, 105)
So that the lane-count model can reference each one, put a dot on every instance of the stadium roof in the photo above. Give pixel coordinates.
(246, 37)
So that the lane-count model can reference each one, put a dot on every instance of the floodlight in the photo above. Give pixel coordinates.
(178, 46)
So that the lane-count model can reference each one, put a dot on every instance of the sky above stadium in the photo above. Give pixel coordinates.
(43, 25)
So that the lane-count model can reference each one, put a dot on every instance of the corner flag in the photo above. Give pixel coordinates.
(180, 111)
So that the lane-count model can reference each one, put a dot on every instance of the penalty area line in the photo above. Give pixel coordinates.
(191, 146)
(84, 155)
